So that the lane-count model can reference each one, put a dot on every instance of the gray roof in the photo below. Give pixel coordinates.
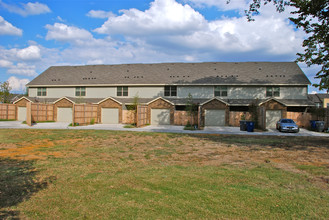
(318, 97)
(210, 73)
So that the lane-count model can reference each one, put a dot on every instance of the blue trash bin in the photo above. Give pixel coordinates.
(250, 126)
(313, 124)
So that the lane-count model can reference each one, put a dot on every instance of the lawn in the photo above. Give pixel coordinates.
(78, 174)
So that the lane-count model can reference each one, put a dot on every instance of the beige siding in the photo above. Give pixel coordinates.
(100, 92)
(145, 92)
(293, 92)
(32, 92)
(196, 91)
(251, 92)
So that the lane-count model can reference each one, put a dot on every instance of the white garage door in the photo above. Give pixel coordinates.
(214, 117)
(21, 115)
(272, 116)
(110, 115)
(160, 116)
(64, 114)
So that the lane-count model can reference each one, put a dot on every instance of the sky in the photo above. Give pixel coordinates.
(35, 35)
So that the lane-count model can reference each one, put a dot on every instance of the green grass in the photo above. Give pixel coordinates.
(7, 119)
(127, 175)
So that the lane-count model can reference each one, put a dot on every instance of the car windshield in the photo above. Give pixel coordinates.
(287, 121)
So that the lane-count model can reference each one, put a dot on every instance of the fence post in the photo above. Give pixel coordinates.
(73, 114)
(28, 114)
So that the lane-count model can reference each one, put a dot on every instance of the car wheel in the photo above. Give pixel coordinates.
(280, 129)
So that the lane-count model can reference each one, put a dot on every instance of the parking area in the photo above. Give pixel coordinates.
(155, 128)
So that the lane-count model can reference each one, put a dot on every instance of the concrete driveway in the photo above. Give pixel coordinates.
(152, 128)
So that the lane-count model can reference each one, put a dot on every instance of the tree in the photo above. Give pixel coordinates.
(313, 18)
(5, 92)
(190, 107)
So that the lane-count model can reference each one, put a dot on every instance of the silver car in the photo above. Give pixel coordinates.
(287, 125)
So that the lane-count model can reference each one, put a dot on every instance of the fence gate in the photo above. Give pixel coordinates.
(42, 112)
(141, 116)
(85, 114)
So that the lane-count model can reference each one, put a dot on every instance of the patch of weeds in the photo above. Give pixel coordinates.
(267, 161)
(314, 170)
(7, 119)
(129, 126)
(130, 157)
(75, 124)
(147, 156)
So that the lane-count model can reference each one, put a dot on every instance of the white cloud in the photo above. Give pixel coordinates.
(17, 84)
(5, 64)
(23, 69)
(165, 17)
(65, 33)
(168, 25)
(27, 9)
(29, 53)
(100, 14)
(8, 29)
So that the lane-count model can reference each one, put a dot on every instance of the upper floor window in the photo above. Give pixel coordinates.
(220, 91)
(42, 92)
(170, 91)
(272, 91)
(80, 91)
(122, 91)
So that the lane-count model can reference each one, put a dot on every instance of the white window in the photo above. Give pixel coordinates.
(42, 92)
(220, 91)
(80, 91)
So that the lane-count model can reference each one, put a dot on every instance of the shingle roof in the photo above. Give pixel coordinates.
(216, 73)
(318, 98)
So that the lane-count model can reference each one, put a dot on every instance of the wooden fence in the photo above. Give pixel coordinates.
(128, 117)
(235, 117)
(302, 119)
(183, 117)
(42, 112)
(8, 111)
(84, 114)
(141, 116)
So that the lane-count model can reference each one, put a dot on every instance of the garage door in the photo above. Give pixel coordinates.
(272, 116)
(160, 116)
(21, 115)
(110, 115)
(64, 114)
(214, 117)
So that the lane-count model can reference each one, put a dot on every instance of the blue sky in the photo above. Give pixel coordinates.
(35, 35)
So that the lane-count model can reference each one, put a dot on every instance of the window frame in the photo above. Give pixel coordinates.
(41, 91)
(170, 91)
(122, 91)
(220, 91)
(80, 91)
(272, 91)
